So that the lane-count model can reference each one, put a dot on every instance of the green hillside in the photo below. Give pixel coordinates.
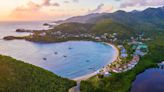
(121, 82)
(16, 76)
(108, 26)
(72, 28)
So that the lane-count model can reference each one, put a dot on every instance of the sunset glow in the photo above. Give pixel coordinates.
(22, 10)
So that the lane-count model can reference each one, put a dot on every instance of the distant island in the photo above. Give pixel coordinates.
(24, 30)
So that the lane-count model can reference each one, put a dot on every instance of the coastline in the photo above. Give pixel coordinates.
(85, 77)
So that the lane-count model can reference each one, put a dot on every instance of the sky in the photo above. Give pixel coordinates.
(30, 10)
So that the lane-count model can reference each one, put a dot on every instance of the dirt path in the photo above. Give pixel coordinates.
(76, 88)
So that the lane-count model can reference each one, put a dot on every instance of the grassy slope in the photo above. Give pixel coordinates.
(16, 76)
(122, 82)
(104, 26)
(72, 28)
(108, 26)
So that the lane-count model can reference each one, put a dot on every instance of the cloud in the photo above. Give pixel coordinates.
(117, 0)
(45, 10)
(56, 4)
(32, 10)
(66, 2)
(98, 9)
(29, 11)
(134, 3)
(29, 7)
(48, 3)
(76, 1)
(102, 8)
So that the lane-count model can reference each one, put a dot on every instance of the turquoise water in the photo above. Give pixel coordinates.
(70, 59)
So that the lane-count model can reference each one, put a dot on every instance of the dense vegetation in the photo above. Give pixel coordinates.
(99, 28)
(109, 26)
(122, 82)
(16, 76)
(149, 19)
(73, 28)
(126, 24)
(49, 39)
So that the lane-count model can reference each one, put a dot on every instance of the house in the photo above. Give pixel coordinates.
(106, 34)
(77, 36)
(123, 50)
(42, 34)
(97, 38)
(107, 74)
(120, 46)
(114, 34)
(115, 70)
(139, 52)
(142, 46)
(124, 55)
(103, 36)
(161, 65)
(114, 39)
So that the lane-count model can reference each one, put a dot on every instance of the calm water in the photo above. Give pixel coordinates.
(152, 80)
(72, 59)
(8, 28)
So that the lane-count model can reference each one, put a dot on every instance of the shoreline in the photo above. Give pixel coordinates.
(114, 58)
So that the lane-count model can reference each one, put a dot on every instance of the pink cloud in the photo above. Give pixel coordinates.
(133, 3)
(29, 11)
(48, 3)
(32, 11)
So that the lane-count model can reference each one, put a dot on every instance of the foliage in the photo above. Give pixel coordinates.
(17, 76)
(72, 28)
(121, 82)
(109, 26)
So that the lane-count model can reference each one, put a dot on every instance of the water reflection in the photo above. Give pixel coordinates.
(152, 80)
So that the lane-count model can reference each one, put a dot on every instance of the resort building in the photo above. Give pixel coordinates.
(161, 65)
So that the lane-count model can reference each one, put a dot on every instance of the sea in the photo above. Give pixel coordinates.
(71, 59)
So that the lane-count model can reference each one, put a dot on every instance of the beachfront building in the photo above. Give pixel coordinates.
(42, 34)
(97, 38)
(161, 65)
(140, 48)
(107, 74)
(120, 46)
(123, 53)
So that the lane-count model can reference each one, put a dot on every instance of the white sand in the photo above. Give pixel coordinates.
(85, 77)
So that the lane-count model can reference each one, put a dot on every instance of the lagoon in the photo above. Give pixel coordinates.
(151, 80)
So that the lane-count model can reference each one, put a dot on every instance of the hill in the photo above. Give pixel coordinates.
(147, 20)
(72, 28)
(80, 19)
(109, 26)
(16, 76)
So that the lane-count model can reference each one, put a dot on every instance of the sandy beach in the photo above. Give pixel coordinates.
(85, 77)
